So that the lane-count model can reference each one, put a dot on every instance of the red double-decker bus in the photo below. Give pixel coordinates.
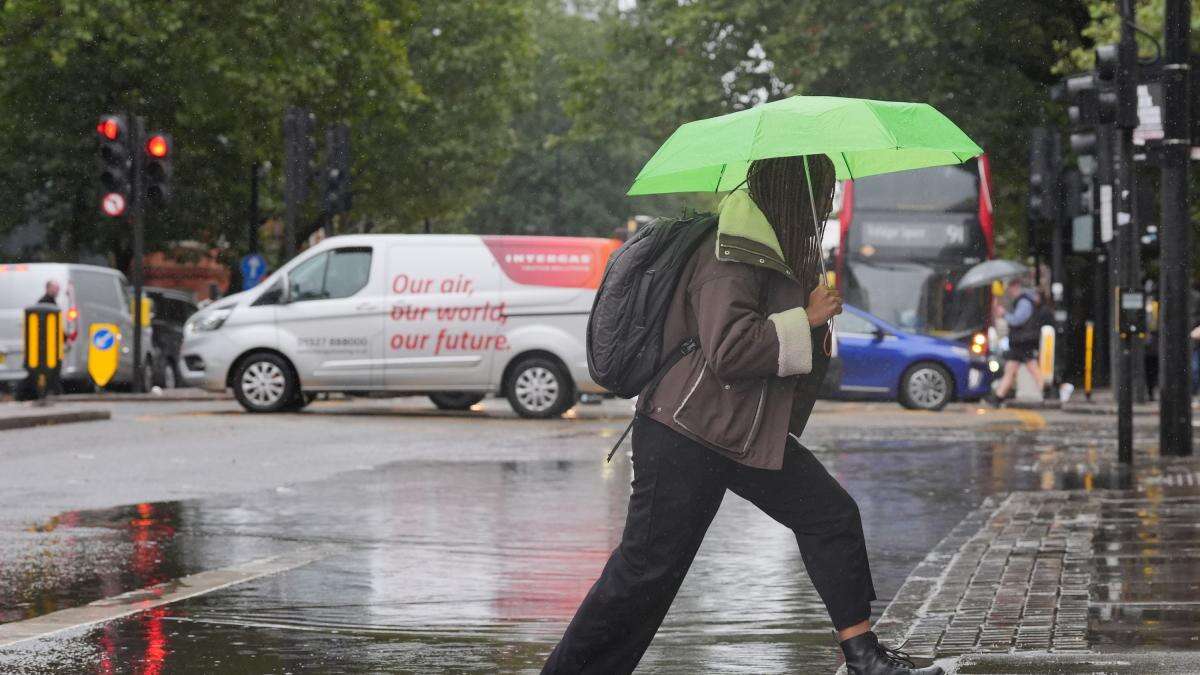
(905, 239)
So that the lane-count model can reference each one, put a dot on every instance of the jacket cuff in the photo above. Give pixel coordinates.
(795, 341)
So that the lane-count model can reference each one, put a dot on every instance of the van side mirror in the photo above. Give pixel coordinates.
(879, 334)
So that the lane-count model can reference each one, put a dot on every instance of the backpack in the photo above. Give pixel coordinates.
(625, 329)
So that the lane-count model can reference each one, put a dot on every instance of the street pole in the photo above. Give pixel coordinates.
(252, 231)
(1175, 410)
(1125, 246)
(139, 245)
(291, 131)
(1109, 353)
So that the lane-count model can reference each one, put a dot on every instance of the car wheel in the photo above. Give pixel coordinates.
(265, 383)
(926, 386)
(538, 388)
(455, 400)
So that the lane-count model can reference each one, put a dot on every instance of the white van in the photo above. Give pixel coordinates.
(87, 294)
(454, 317)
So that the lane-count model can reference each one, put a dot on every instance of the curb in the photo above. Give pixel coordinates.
(142, 398)
(1078, 409)
(46, 419)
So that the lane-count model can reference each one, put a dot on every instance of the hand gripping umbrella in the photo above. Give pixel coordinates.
(861, 137)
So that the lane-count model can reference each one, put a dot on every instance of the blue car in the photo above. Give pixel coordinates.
(881, 361)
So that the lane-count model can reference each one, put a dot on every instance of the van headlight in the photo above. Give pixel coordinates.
(210, 320)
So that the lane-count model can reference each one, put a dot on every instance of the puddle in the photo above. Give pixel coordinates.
(477, 566)
(81, 556)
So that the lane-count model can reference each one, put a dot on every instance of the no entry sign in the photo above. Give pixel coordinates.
(113, 204)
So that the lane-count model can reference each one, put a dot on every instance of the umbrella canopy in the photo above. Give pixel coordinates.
(861, 137)
(991, 270)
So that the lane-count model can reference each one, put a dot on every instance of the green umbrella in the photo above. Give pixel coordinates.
(861, 137)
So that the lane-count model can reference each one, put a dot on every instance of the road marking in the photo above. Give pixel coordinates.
(133, 602)
(1030, 420)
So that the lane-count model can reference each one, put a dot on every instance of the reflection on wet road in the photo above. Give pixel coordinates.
(477, 565)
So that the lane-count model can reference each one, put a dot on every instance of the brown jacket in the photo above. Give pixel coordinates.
(755, 377)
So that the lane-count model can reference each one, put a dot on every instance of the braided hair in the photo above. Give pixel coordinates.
(777, 185)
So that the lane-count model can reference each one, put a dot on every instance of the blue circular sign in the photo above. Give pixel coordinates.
(104, 339)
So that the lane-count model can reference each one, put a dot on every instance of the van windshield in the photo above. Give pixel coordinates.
(20, 289)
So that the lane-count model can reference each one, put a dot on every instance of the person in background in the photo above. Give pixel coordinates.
(51, 295)
(1023, 336)
(1194, 320)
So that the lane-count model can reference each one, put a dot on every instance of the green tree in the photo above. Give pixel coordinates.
(219, 74)
(987, 65)
(559, 181)
(472, 62)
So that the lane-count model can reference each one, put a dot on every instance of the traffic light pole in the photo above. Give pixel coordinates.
(291, 132)
(137, 200)
(1175, 410)
(252, 229)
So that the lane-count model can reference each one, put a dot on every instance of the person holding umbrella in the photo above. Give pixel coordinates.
(729, 415)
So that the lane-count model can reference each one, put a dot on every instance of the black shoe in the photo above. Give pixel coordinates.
(865, 656)
(991, 399)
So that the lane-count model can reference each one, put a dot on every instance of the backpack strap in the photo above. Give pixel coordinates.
(686, 347)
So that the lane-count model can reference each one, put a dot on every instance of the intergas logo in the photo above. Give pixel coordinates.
(570, 262)
(548, 258)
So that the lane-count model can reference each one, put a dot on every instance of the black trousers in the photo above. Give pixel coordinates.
(677, 487)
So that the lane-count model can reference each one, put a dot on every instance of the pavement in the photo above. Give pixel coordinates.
(24, 415)
(1101, 579)
(385, 536)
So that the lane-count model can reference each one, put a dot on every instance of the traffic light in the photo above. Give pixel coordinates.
(157, 162)
(1042, 193)
(1084, 109)
(1116, 70)
(300, 150)
(116, 164)
(337, 169)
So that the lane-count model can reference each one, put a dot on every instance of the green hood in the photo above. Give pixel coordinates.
(745, 236)
(739, 216)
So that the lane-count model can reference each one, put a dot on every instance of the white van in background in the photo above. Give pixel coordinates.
(454, 317)
(87, 294)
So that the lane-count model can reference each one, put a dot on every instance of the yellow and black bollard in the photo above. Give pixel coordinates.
(1089, 341)
(43, 348)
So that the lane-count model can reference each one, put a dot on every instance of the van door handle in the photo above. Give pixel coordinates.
(366, 307)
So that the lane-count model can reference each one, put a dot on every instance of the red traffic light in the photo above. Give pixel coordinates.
(109, 127)
(158, 146)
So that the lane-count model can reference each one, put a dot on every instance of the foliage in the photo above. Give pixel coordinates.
(500, 115)
(1104, 27)
(986, 65)
(422, 85)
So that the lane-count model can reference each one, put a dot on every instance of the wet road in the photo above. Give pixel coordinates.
(448, 542)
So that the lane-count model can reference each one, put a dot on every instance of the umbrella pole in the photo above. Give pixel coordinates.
(812, 205)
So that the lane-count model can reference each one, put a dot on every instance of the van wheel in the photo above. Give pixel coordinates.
(455, 400)
(538, 388)
(265, 383)
(926, 386)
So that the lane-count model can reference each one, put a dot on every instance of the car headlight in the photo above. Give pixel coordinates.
(210, 320)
